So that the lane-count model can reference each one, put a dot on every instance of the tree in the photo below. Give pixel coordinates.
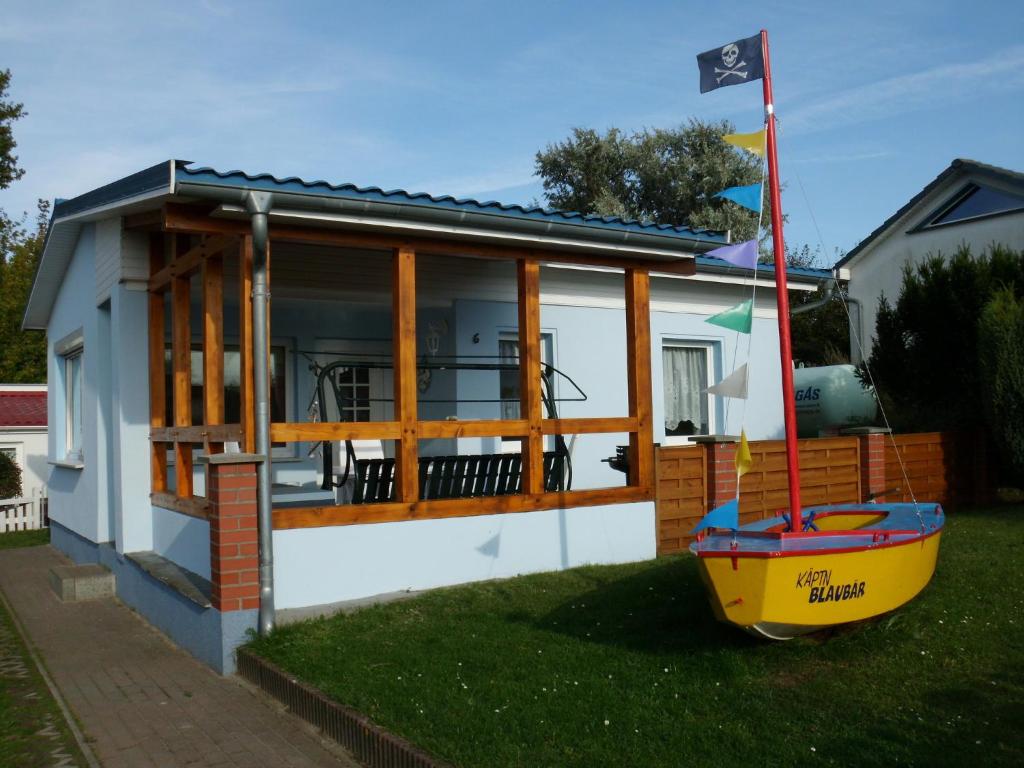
(926, 360)
(9, 112)
(667, 176)
(22, 353)
(10, 478)
(1001, 361)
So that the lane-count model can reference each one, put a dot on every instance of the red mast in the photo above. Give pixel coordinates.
(782, 295)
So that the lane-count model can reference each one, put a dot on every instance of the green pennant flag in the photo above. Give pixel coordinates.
(738, 318)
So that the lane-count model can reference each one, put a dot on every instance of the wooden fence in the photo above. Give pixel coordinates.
(938, 467)
(23, 514)
(831, 471)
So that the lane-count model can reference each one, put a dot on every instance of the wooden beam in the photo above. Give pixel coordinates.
(189, 261)
(152, 220)
(200, 434)
(354, 514)
(181, 358)
(247, 406)
(528, 281)
(157, 368)
(193, 507)
(403, 297)
(293, 432)
(213, 345)
(186, 219)
(456, 428)
(588, 426)
(638, 375)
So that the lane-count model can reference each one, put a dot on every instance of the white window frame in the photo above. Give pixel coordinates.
(547, 355)
(709, 351)
(19, 453)
(69, 350)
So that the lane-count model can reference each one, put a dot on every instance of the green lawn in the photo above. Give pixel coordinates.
(624, 665)
(33, 731)
(24, 538)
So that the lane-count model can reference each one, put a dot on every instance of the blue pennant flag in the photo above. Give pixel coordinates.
(748, 197)
(741, 254)
(725, 516)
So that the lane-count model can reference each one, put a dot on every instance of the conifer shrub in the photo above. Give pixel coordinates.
(10, 478)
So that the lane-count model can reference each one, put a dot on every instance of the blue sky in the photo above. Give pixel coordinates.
(874, 98)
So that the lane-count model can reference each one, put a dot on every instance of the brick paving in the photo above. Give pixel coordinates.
(141, 701)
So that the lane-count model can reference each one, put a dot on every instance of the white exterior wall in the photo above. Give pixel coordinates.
(73, 490)
(31, 444)
(314, 566)
(878, 269)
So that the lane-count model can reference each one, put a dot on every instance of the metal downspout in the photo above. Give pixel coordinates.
(258, 205)
(815, 304)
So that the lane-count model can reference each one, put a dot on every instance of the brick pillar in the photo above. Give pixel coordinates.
(720, 459)
(234, 544)
(872, 460)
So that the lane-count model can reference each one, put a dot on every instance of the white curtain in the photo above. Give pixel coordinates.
(685, 371)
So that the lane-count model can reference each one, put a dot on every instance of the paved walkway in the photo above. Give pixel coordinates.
(142, 702)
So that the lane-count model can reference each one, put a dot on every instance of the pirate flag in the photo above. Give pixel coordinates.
(732, 64)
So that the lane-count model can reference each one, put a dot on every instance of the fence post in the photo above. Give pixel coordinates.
(720, 475)
(872, 459)
(234, 544)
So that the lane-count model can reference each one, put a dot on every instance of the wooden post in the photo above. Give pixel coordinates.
(157, 368)
(638, 372)
(528, 279)
(247, 408)
(181, 357)
(403, 297)
(213, 344)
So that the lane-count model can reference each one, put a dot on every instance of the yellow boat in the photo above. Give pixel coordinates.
(816, 567)
(855, 562)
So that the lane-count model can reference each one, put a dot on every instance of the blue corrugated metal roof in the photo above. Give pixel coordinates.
(402, 197)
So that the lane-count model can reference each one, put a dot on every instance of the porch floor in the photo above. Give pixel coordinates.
(140, 700)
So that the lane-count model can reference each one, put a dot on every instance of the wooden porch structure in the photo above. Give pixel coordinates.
(186, 243)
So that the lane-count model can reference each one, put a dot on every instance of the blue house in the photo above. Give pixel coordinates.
(270, 394)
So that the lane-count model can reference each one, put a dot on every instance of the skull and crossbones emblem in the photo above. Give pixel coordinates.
(730, 54)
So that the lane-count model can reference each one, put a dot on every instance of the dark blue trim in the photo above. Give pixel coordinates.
(151, 179)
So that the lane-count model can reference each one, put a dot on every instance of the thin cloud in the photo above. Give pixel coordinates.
(903, 93)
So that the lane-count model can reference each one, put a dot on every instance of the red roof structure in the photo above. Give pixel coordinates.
(22, 409)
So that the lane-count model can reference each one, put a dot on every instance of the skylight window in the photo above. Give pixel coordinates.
(975, 201)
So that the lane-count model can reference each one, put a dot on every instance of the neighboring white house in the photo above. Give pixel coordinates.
(333, 293)
(969, 203)
(23, 438)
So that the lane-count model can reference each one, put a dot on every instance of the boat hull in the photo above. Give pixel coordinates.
(783, 593)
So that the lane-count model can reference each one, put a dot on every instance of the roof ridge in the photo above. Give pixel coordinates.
(531, 210)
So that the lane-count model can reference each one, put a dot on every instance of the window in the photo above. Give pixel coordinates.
(353, 384)
(11, 451)
(974, 201)
(508, 379)
(232, 384)
(686, 370)
(73, 405)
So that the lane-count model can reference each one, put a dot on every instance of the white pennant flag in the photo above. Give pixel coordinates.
(733, 385)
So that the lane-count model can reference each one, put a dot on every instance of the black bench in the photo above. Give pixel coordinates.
(454, 477)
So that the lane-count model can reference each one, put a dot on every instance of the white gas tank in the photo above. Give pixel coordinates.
(829, 398)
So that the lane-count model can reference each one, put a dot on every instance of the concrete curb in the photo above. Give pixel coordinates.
(369, 743)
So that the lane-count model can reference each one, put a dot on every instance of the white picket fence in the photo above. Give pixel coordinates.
(23, 514)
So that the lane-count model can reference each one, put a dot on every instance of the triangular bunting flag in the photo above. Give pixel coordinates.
(748, 196)
(741, 254)
(744, 461)
(751, 142)
(733, 385)
(739, 318)
(725, 516)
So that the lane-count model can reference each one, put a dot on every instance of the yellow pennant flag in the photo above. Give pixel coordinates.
(744, 461)
(752, 142)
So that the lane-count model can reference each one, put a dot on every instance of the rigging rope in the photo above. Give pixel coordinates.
(855, 336)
